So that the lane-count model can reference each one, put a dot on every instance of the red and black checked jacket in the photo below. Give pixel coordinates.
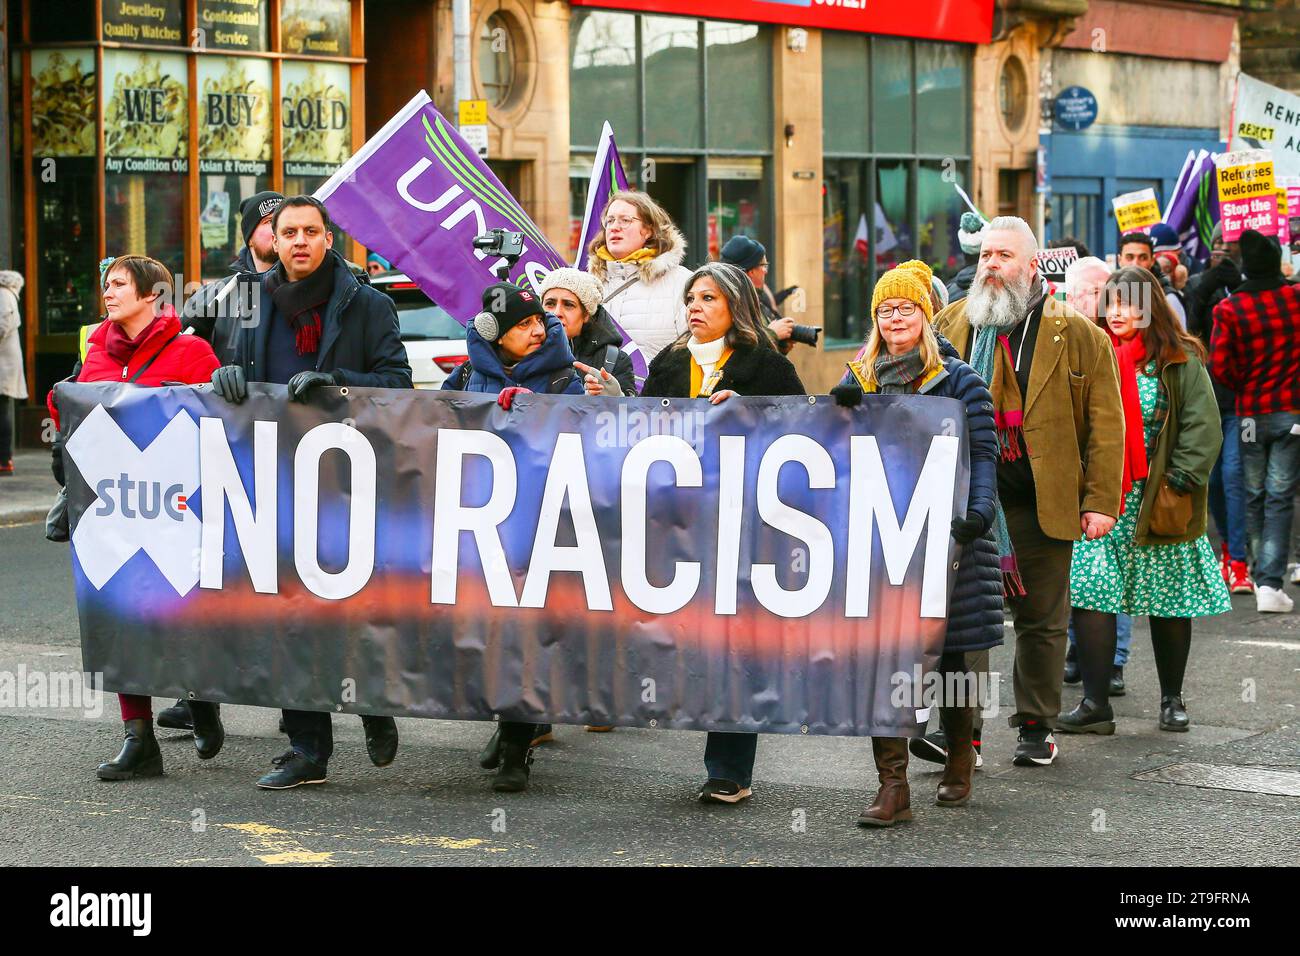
(1256, 349)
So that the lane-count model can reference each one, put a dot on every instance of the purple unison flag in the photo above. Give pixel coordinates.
(1191, 211)
(607, 178)
(417, 194)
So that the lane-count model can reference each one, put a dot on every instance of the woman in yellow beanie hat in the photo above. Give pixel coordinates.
(904, 356)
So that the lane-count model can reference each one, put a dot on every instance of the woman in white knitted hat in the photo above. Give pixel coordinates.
(575, 297)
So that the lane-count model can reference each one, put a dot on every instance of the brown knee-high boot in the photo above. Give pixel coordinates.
(958, 724)
(893, 803)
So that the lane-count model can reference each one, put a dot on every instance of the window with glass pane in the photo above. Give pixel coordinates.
(316, 27)
(1074, 215)
(894, 242)
(63, 140)
(142, 216)
(942, 98)
(496, 62)
(739, 61)
(891, 95)
(736, 203)
(234, 152)
(845, 242)
(938, 212)
(58, 21)
(603, 77)
(316, 103)
(845, 68)
(671, 48)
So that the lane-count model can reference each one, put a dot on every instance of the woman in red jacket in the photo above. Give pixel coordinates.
(141, 342)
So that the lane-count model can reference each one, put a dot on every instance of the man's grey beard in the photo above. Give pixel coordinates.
(1003, 308)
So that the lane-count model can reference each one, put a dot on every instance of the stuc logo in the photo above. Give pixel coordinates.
(141, 499)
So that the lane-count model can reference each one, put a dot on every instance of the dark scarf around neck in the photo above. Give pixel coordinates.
(302, 302)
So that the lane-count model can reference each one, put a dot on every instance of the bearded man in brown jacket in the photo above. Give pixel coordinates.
(1055, 389)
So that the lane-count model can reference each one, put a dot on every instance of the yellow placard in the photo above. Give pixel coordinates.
(1138, 216)
(1251, 179)
(473, 112)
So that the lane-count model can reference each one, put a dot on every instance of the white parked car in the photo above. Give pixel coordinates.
(435, 342)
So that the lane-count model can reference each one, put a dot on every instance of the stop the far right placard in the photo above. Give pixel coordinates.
(1247, 192)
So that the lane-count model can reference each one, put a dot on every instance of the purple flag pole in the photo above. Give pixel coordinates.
(417, 194)
(1186, 209)
(607, 178)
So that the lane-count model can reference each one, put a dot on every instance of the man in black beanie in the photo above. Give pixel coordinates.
(217, 310)
(750, 257)
(1256, 353)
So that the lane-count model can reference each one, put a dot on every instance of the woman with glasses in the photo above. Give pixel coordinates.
(637, 256)
(904, 356)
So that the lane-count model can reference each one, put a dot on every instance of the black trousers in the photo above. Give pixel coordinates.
(6, 428)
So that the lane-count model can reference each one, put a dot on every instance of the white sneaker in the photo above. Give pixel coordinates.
(1293, 572)
(1272, 601)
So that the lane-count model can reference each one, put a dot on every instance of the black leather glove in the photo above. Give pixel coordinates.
(304, 382)
(847, 395)
(967, 529)
(228, 382)
(56, 460)
(1227, 274)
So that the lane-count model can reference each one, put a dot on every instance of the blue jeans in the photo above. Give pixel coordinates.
(1270, 457)
(730, 756)
(1124, 633)
(1228, 491)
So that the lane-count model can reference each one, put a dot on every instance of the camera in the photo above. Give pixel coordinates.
(805, 334)
(501, 242)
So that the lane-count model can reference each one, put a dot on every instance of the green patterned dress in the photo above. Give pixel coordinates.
(1114, 575)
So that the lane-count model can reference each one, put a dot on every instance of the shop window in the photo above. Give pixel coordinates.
(736, 203)
(316, 114)
(942, 99)
(891, 95)
(739, 58)
(316, 27)
(844, 92)
(241, 25)
(893, 240)
(938, 213)
(845, 248)
(671, 48)
(496, 61)
(1075, 215)
(63, 181)
(603, 77)
(142, 217)
(60, 21)
(234, 112)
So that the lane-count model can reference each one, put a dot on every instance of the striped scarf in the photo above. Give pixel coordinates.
(994, 365)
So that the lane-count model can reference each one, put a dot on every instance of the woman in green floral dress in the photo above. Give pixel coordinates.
(1156, 560)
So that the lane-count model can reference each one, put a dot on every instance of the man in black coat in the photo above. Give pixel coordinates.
(316, 325)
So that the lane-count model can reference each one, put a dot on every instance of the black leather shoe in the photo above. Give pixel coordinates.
(1117, 687)
(381, 739)
(489, 757)
(1087, 718)
(1173, 715)
(139, 756)
(175, 717)
(209, 733)
(512, 775)
(1072, 674)
(292, 769)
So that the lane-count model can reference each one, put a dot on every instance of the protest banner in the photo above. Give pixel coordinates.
(768, 564)
(1292, 186)
(1247, 192)
(418, 194)
(1267, 117)
(1136, 211)
(1052, 264)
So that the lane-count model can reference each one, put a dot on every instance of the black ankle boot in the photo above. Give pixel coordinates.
(175, 717)
(209, 733)
(1087, 718)
(512, 775)
(489, 758)
(139, 756)
(1173, 715)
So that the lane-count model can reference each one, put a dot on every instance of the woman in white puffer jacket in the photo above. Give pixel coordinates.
(637, 256)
